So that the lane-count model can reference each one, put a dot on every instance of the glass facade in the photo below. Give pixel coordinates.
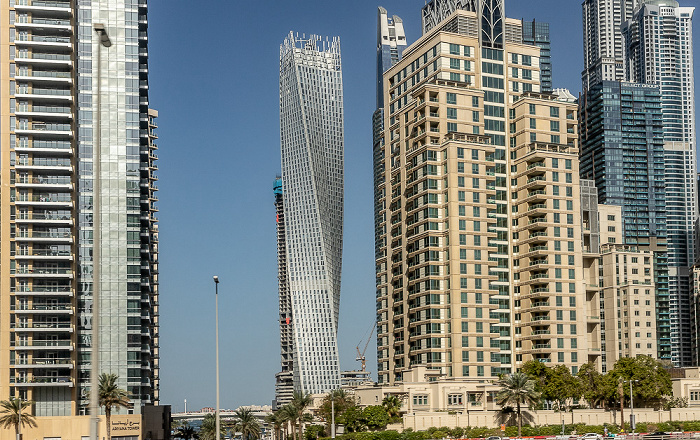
(622, 150)
(311, 125)
(659, 51)
(537, 34)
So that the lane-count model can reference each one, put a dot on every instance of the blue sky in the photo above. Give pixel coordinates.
(214, 79)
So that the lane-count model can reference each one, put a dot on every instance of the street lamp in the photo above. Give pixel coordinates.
(218, 416)
(96, 243)
(632, 424)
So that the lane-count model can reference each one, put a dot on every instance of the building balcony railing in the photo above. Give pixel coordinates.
(38, 381)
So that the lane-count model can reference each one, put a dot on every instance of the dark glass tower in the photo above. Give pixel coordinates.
(622, 150)
(537, 34)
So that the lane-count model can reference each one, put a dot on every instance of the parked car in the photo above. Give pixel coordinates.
(494, 437)
(659, 435)
(591, 436)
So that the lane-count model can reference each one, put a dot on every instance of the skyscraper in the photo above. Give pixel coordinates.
(659, 50)
(479, 263)
(603, 45)
(284, 380)
(311, 126)
(537, 34)
(48, 136)
(391, 41)
(622, 150)
(533, 33)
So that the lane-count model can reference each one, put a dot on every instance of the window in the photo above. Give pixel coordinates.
(533, 109)
(533, 123)
(454, 49)
(475, 101)
(454, 399)
(554, 112)
(554, 126)
(420, 399)
(451, 98)
(465, 343)
(454, 63)
(451, 113)
(455, 76)
(451, 127)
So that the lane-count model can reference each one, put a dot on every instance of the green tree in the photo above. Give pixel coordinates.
(340, 400)
(392, 404)
(245, 422)
(593, 386)
(517, 389)
(111, 396)
(207, 431)
(186, 432)
(314, 432)
(538, 372)
(15, 413)
(651, 380)
(561, 386)
(375, 417)
(352, 419)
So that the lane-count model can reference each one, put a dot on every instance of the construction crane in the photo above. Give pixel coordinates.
(361, 354)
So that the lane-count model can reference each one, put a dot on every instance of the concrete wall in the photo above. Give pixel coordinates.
(420, 421)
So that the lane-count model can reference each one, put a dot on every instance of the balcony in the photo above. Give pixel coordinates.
(44, 291)
(45, 94)
(45, 164)
(43, 41)
(43, 381)
(43, 362)
(44, 272)
(47, 309)
(24, 22)
(57, 182)
(49, 327)
(44, 111)
(61, 199)
(39, 129)
(43, 5)
(42, 345)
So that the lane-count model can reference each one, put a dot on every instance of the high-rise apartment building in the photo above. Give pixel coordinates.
(620, 285)
(537, 34)
(603, 44)
(50, 72)
(659, 50)
(311, 126)
(391, 41)
(622, 151)
(284, 380)
(479, 263)
(532, 33)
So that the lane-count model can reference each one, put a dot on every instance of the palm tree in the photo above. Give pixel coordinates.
(517, 389)
(392, 404)
(276, 420)
(288, 417)
(208, 429)
(186, 432)
(299, 404)
(15, 410)
(245, 423)
(111, 396)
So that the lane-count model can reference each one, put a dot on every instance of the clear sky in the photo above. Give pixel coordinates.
(214, 67)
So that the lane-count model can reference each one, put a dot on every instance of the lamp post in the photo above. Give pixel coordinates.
(632, 423)
(218, 416)
(96, 242)
(19, 419)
